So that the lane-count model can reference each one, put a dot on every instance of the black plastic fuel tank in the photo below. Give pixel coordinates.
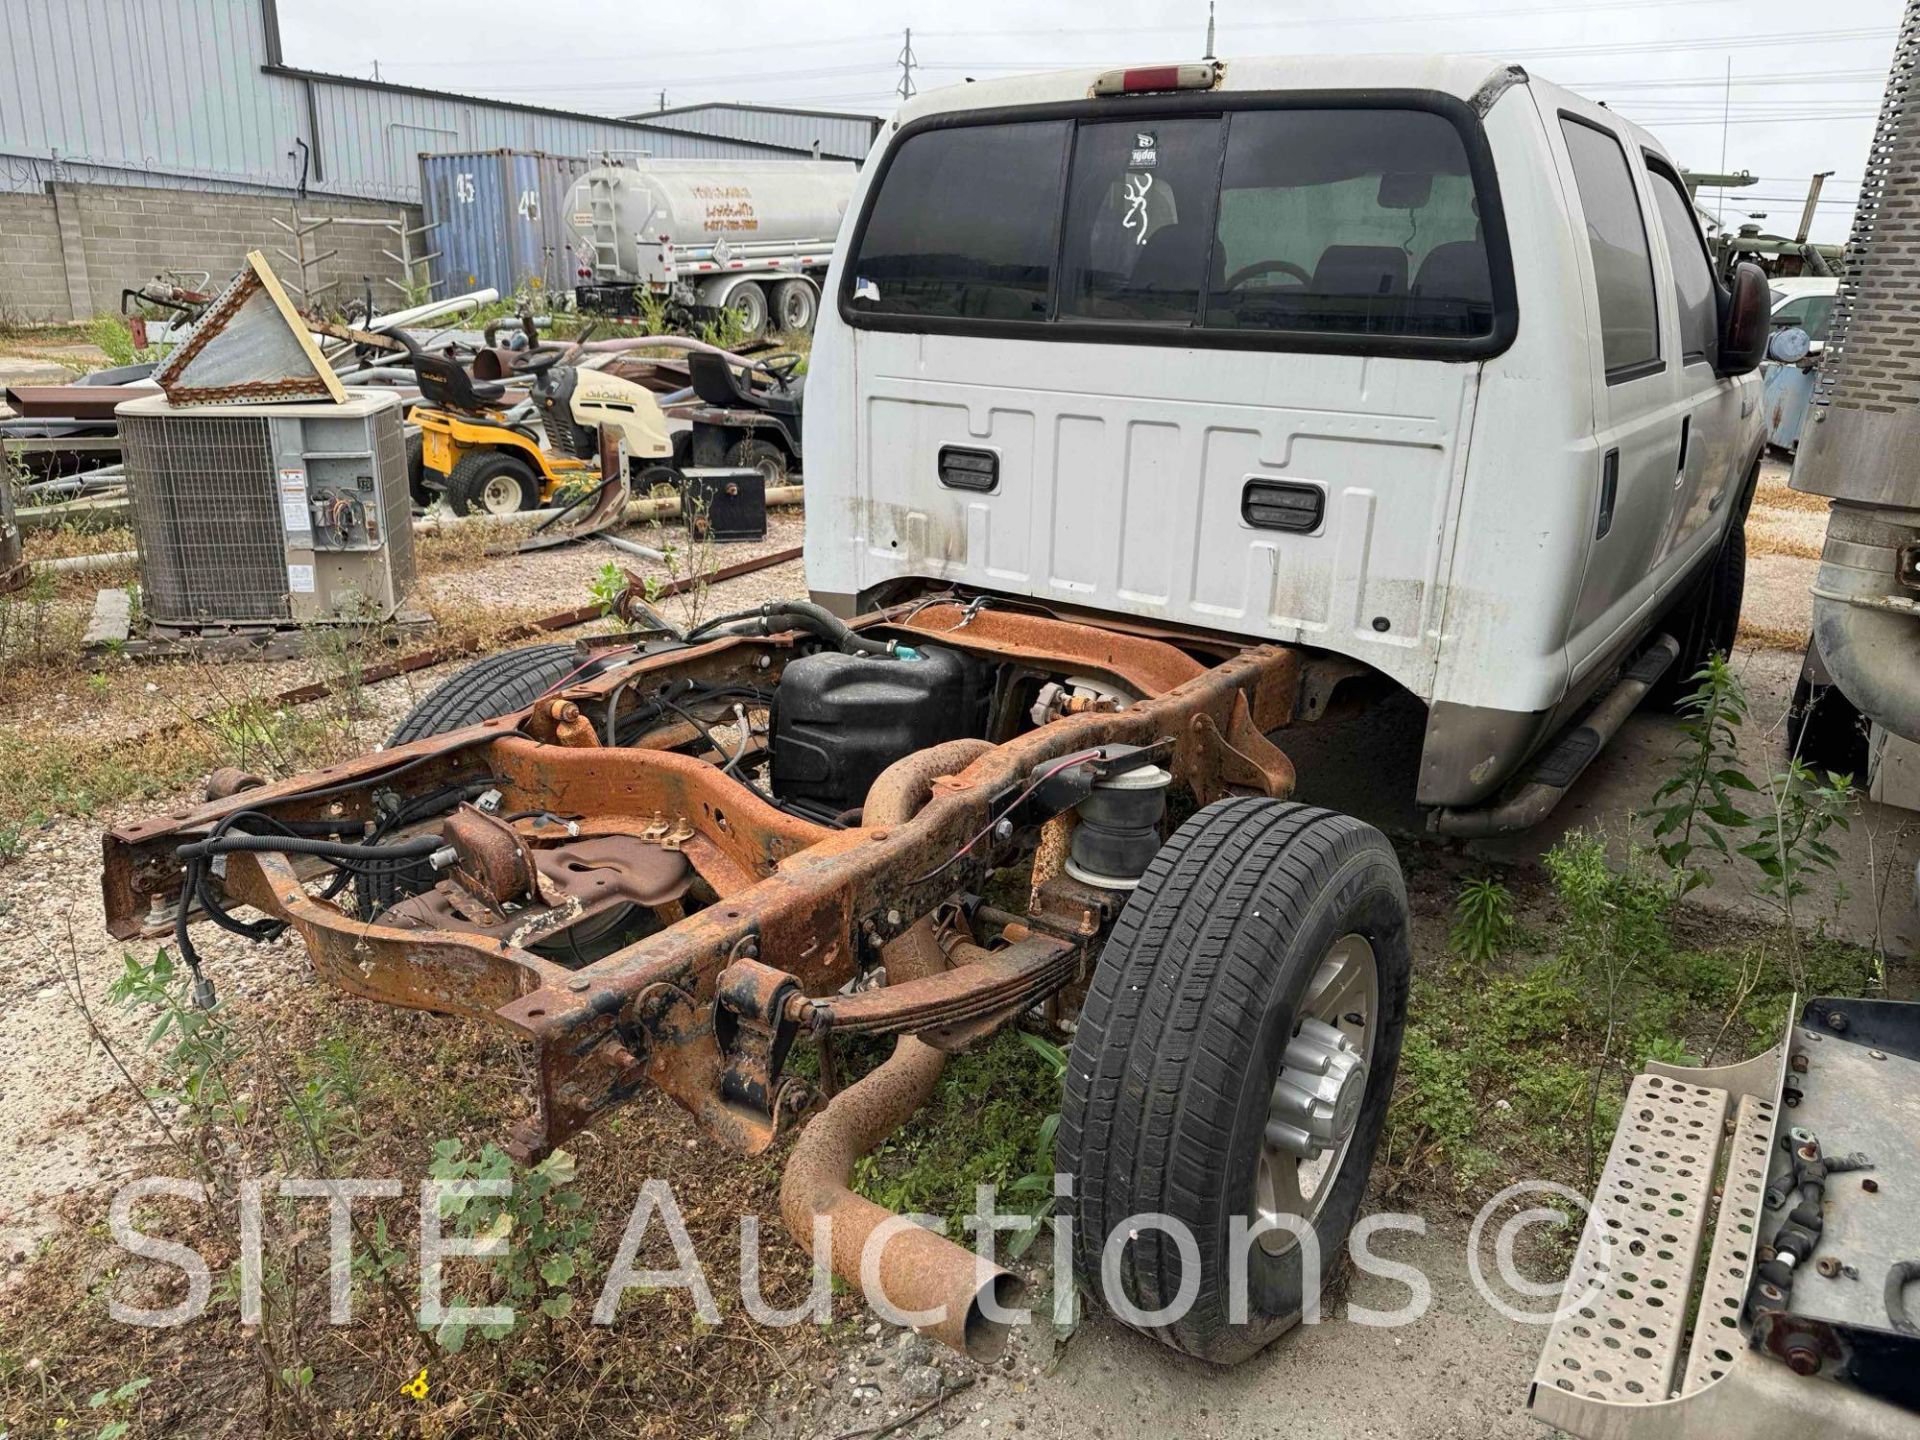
(839, 720)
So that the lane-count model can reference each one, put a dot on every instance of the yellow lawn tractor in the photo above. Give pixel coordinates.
(486, 459)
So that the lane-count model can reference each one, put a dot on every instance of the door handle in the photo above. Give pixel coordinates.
(1609, 492)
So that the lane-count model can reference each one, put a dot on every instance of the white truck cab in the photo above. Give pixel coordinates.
(1409, 360)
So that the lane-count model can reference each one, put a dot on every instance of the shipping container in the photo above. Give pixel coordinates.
(499, 219)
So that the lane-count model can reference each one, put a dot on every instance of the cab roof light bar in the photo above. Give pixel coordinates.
(1144, 79)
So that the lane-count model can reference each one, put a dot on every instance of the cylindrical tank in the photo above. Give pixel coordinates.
(616, 209)
(1863, 446)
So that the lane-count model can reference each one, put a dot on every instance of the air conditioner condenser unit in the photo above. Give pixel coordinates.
(278, 514)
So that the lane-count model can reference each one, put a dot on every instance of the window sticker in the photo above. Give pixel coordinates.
(1145, 152)
(1135, 218)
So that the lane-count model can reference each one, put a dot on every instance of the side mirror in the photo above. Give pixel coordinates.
(1744, 313)
(1789, 345)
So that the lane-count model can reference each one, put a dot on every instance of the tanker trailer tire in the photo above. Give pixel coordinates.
(794, 307)
(1264, 955)
(749, 302)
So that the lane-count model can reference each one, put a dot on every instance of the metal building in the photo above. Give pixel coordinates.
(196, 94)
(839, 135)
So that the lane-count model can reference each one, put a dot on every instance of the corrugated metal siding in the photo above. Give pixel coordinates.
(840, 137)
(498, 219)
(172, 92)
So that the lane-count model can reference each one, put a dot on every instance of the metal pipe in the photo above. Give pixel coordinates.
(894, 798)
(666, 342)
(645, 508)
(81, 564)
(917, 1271)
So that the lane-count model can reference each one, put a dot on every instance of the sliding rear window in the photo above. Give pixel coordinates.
(1336, 226)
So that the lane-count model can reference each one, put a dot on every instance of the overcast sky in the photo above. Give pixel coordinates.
(1802, 98)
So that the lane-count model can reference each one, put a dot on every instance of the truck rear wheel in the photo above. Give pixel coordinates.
(1233, 1064)
(491, 482)
(749, 301)
(1707, 620)
(793, 307)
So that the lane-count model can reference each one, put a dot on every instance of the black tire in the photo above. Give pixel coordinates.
(1192, 1004)
(794, 307)
(422, 497)
(1824, 729)
(497, 685)
(481, 473)
(749, 301)
(762, 455)
(1706, 621)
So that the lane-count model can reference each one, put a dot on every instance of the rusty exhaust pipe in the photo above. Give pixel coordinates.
(916, 1271)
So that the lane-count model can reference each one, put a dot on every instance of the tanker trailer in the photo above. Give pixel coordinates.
(699, 235)
(1862, 448)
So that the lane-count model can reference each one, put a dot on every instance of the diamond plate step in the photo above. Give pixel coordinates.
(1716, 1334)
(1634, 1269)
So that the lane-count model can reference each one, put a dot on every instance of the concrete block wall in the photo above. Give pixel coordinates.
(67, 253)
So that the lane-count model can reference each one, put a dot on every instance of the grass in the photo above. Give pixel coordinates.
(1754, 635)
(1507, 1071)
(982, 1127)
(378, 1088)
(1780, 497)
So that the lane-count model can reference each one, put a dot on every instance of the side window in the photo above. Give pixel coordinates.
(1349, 221)
(1622, 262)
(1139, 220)
(1811, 313)
(965, 224)
(1692, 276)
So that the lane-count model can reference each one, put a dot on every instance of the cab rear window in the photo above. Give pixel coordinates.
(1289, 222)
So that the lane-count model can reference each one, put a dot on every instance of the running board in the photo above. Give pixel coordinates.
(1555, 771)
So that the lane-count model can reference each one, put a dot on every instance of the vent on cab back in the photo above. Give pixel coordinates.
(964, 469)
(1283, 505)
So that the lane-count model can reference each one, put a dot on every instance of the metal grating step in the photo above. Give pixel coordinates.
(1636, 1259)
(1716, 1336)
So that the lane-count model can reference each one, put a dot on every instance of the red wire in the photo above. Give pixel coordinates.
(1067, 764)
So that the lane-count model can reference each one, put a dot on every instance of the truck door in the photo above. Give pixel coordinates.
(1641, 428)
(1713, 405)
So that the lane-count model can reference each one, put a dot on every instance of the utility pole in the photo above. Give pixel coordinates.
(376, 72)
(663, 101)
(1209, 54)
(908, 64)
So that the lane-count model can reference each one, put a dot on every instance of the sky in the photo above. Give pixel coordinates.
(1802, 98)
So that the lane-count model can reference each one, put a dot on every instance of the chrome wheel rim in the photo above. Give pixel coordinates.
(1314, 1106)
(500, 495)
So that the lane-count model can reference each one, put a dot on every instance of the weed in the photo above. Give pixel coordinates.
(111, 335)
(986, 1125)
(542, 1214)
(1483, 922)
(1699, 794)
(1790, 846)
(118, 1404)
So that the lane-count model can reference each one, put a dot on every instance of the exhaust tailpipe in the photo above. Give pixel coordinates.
(915, 1270)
